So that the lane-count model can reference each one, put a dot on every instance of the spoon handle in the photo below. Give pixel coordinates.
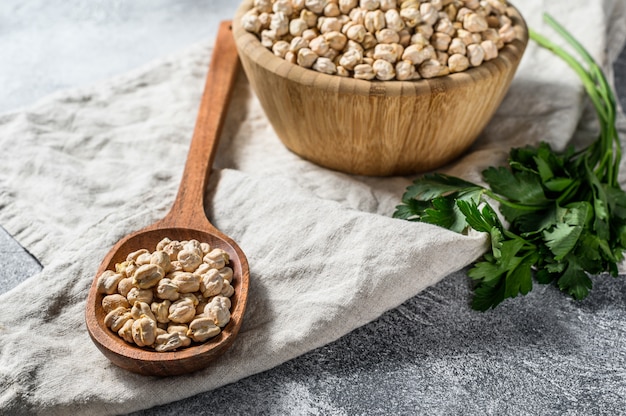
(188, 208)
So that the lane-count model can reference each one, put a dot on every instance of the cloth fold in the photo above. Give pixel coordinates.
(85, 167)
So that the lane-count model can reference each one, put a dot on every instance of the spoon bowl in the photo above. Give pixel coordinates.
(185, 221)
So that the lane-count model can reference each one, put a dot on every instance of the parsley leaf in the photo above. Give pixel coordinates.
(432, 199)
(566, 212)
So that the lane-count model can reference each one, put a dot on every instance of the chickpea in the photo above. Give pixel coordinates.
(322, 35)
(190, 282)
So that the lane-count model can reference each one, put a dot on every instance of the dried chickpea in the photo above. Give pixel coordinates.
(329, 24)
(108, 281)
(425, 30)
(441, 41)
(147, 276)
(126, 331)
(474, 22)
(332, 10)
(161, 311)
(283, 6)
(387, 36)
(227, 289)
(114, 301)
(201, 329)
(369, 41)
(280, 48)
(457, 46)
(143, 258)
(405, 70)
(139, 295)
(211, 283)
(369, 4)
(507, 33)
(374, 21)
(167, 290)
(297, 26)
(161, 244)
(172, 248)
(411, 16)
(263, 5)
(124, 286)
(387, 5)
(279, 24)
(445, 26)
(216, 258)
(140, 309)
(331, 28)
(126, 268)
(250, 21)
(309, 35)
(393, 20)
(187, 280)
(384, 70)
(117, 318)
(144, 331)
(182, 311)
(458, 63)
(135, 254)
(218, 309)
(475, 54)
(202, 269)
(324, 65)
(290, 57)
(336, 40)
(430, 68)
(306, 58)
(161, 259)
(316, 6)
(351, 58)
(490, 49)
(177, 328)
(428, 13)
(189, 259)
(364, 71)
(296, 44)
(226, 273)
(168, 342)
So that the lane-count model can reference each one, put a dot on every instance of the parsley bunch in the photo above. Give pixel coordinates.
(566, 212)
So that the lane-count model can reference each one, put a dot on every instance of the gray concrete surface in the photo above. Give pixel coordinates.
(431, 355)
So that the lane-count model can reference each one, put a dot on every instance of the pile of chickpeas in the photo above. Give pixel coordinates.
(167, 299)
(382, 39)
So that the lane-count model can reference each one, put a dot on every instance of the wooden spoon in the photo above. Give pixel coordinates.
(186, 220)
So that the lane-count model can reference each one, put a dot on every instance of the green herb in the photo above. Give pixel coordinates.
(566, 211)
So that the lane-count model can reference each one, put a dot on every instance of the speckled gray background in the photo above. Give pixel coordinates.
(432, 355)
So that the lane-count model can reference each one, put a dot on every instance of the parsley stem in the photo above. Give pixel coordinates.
(521, 207)
(588, 83)
(606, 156)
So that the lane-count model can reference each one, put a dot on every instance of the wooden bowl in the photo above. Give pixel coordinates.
(375, 127)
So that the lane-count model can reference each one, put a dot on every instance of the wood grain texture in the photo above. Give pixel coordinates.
(186, 220)
(374, 127)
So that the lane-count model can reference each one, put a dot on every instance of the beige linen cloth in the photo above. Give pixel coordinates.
(84, 167)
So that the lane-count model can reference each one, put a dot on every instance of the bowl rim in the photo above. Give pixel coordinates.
(250, 45)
